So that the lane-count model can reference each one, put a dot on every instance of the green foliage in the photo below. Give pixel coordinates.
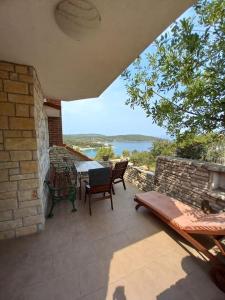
(104, 151)
(148, 158)
(200, 147)
(182, 83)
(144, 158)
(126, 153)
(209, 147)
(165, 148)
(216, 150)
(194, 151)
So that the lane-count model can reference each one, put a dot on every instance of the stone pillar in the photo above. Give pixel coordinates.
(55, 131)
(23, 151)
(55, 125)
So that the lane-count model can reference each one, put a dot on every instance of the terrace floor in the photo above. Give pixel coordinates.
(118, 255)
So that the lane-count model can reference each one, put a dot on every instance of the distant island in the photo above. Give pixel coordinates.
(99, 140)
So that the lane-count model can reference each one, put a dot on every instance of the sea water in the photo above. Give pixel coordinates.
(119, 147)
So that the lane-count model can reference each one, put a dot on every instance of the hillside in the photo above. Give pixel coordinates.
(105, 138)
(95, 140)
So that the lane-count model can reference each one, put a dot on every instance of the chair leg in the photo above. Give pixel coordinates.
(80, 188)
(74, 208)
(50, 215)
(89, 201)
(137, 206)
(111, 201)
(124, 184)
(113, 191)
(72, 198)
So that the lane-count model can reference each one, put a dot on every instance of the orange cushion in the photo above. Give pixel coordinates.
(183, 216)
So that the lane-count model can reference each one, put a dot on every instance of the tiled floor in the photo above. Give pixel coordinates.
(118, 255)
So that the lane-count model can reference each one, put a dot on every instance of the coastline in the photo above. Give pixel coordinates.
(119, 147)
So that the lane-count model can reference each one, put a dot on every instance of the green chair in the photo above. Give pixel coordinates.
(60, 187)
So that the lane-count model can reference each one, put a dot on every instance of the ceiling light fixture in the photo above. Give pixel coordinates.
(77, 18)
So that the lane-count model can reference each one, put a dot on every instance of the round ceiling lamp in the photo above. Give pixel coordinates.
(77, 18)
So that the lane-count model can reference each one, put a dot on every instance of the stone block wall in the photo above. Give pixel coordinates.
(144, 180)
(21, 147)
(42, 137)
(189, 181)
(57, 153)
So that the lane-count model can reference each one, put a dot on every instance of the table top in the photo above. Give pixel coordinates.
(84, 166)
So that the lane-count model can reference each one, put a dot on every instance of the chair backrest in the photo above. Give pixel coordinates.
(70, 168)
(100, 176)
(119, 169)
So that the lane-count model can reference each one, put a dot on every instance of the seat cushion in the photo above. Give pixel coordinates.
(183, 216)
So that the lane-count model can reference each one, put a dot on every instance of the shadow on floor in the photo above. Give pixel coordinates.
(113, 255)
(119, 293)
(192, 284)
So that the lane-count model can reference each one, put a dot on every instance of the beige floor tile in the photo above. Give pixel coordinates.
(93, 277)
(64, 287)
(143, 285)
(106, 247)
(122, 254)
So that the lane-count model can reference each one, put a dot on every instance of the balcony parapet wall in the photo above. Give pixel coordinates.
(143, 180)
(190, 181)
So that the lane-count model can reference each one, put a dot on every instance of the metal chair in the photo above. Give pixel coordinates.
(69, 162)
(60, 187)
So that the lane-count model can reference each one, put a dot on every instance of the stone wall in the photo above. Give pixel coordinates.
(187, 180)
(42, 136)
(190, 181)
(57, 153)
(21, 206)
(144, 180)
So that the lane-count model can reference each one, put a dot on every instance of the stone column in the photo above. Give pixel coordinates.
(55, 124)
(23, 151)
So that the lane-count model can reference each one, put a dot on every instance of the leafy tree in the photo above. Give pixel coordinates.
(142, 158)
(165, 148)
(181, 82)
(216, 150)
(205, 147)
(105, 151)
(126, 153)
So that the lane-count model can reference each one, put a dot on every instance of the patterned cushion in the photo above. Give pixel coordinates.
(183, 216)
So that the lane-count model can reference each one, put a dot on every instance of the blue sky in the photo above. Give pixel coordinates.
(108, 113)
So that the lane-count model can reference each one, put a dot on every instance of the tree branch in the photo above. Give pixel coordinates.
(183, 110)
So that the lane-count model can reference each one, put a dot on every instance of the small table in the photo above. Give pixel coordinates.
(82, 168)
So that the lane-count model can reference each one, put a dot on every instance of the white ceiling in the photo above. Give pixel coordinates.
(70, 69)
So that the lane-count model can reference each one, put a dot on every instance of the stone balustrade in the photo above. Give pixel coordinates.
(190, 181)
(144, 180)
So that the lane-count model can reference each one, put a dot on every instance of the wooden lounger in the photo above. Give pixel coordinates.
(187, 220)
